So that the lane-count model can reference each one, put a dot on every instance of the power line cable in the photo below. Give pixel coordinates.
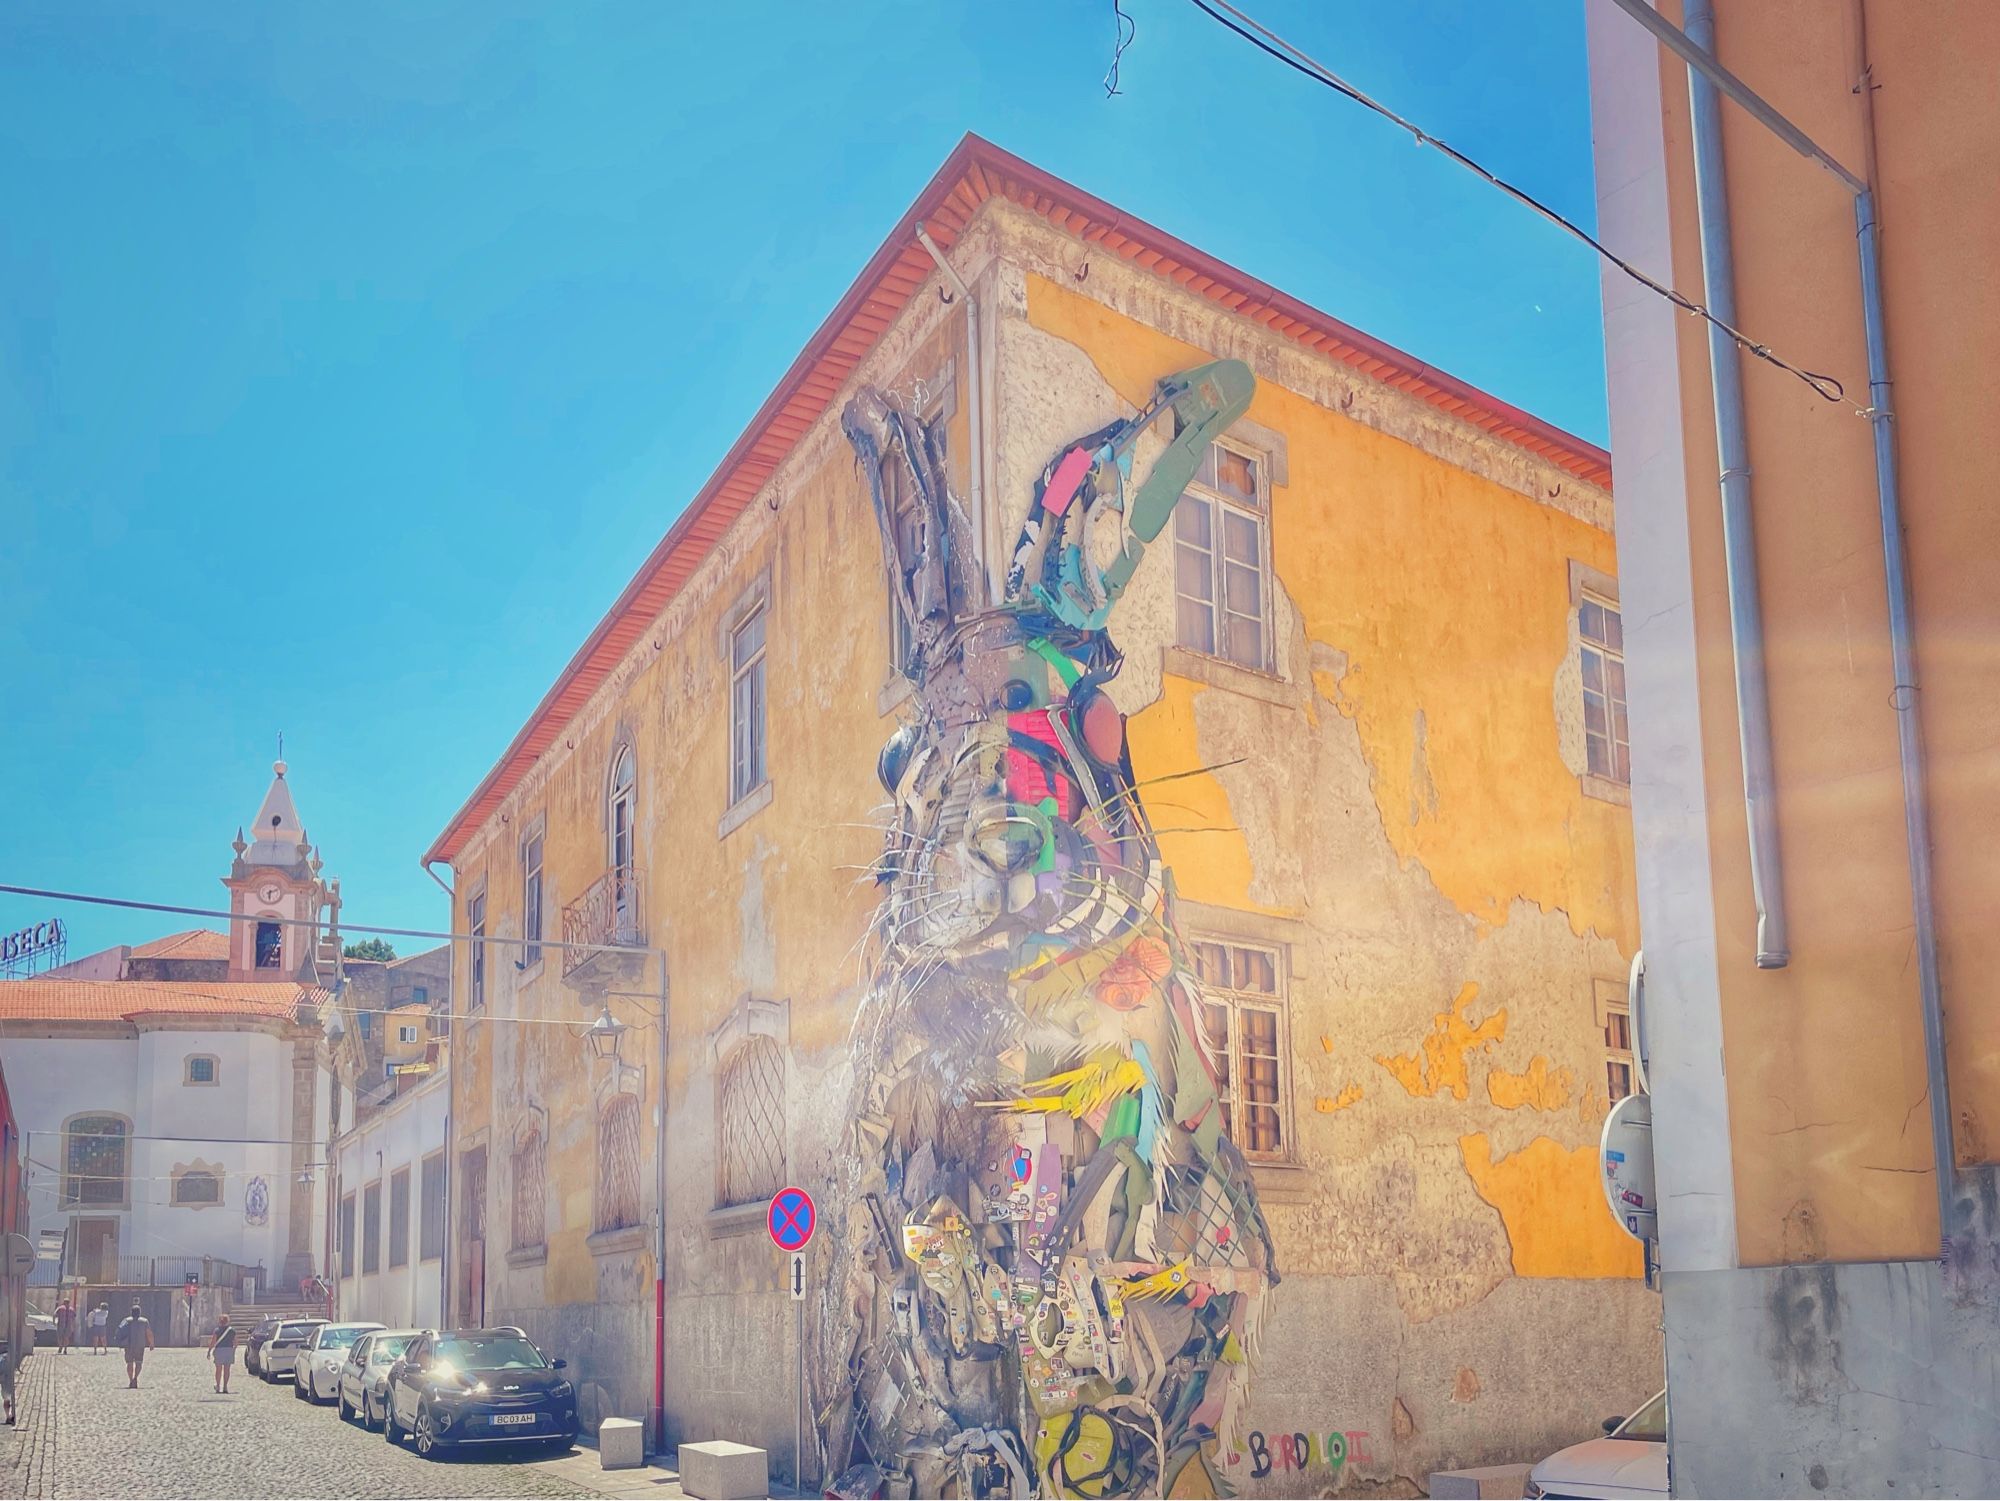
(1826, 387)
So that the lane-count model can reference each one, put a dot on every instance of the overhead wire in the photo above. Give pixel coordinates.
(1826, 387)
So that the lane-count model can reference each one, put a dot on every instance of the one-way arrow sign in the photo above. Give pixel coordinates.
(798, 1283)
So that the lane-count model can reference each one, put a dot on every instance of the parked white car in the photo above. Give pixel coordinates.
(364, 1376)
(316, 1372)
(1630, 1461)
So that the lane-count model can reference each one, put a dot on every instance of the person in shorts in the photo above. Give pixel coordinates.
(100, 1327)
(222, 1350)
(65, 1326)
(135, 1337)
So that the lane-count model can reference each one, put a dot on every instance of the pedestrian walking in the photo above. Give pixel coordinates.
(222, 1350)
(100, 1326)
(65, 1326)
(135, 1337)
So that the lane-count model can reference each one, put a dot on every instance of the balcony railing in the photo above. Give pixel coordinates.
(609, 913)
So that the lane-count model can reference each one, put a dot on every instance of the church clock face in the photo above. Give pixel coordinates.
(271, 894)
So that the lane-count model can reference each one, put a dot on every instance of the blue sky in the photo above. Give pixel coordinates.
(352, 356)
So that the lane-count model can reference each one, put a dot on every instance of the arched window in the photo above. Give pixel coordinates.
(750, 1123)
(197, 1187)
(621, 809)
(618, 1162)
(530, 1192)
(97, 1162)
(200, 1068)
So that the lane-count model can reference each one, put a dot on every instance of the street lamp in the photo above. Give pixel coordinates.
(603, 1035)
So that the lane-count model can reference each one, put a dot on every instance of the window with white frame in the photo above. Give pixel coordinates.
(406, 1034)
(199, 1068)
(531, 899)
(746, 704)
(1617, 1050)
(1606, 739)
(1222, 567)
(1243, 1018)
(347, 1236)
(475, 924)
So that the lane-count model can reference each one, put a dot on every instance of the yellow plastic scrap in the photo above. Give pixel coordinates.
(1108, 1076)
(1161, 1284)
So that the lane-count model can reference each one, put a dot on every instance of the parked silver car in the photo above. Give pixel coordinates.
(363, 1389)
(277, 1355)
(316, 1371)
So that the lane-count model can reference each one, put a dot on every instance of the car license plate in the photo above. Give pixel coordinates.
(505, 1419)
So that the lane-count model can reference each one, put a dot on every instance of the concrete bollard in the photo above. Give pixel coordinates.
(1481, 1484)
(621, 1444)
(721, 1471)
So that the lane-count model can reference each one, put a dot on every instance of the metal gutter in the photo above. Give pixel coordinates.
(1739, 532)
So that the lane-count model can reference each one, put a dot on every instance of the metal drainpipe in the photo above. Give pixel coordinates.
(1909, 731)
(975, 416)
(1746, 613)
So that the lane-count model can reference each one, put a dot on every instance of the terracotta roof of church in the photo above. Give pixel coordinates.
(128, 1000)
(195, 943)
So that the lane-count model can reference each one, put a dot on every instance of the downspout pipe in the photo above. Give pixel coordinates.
(1895, 565)
(1746, 611)
(1909, 730)
(975, 407)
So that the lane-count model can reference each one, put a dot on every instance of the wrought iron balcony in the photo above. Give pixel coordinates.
(610, 912)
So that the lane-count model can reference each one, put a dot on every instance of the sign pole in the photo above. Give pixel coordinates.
(791, 1219)
(799, 1418)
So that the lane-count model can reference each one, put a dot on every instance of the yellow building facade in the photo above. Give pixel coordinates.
(1390, 779)
(1829, 1200)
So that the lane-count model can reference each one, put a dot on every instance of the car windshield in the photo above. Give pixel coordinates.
(490, 1352)
(339, 1339)
(387, 1347)
(296, 1331)
(1648, 1424)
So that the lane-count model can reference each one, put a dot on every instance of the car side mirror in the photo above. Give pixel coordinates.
(1611, 1425)
(559, 1365)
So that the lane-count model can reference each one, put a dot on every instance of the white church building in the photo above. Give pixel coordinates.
(175, 1097)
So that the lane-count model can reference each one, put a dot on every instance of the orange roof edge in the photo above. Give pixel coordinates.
(964, 169)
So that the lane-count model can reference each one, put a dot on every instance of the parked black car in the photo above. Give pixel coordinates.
(478, 1386)
(253, 1347)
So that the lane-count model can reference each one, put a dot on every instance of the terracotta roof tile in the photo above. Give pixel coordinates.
(126, 1000)
(195, 943)
(975, 172)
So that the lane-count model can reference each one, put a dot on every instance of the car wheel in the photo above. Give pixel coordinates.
(340, 1404)
(427, 1439)
(367, 1411)
(390, 1431)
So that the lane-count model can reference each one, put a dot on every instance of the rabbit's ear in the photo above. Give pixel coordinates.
(928, 550)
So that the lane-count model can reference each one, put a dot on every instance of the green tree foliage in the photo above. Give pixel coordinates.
(370, 948)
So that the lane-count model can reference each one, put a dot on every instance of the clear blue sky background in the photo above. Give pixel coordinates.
(352, 356)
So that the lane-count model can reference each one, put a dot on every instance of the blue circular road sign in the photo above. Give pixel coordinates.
(792, 1218)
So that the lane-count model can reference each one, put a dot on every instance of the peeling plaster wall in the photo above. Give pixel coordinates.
(1440, 1313)
(1404, 813)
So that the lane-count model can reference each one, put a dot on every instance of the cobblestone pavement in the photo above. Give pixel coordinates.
(83, 1433)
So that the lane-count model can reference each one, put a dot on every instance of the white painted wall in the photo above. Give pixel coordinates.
(241, 1124)
(396, 1137)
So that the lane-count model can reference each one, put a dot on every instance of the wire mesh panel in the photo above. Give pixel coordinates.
(530, 1193)
(751, 1123)
(618, 1163)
